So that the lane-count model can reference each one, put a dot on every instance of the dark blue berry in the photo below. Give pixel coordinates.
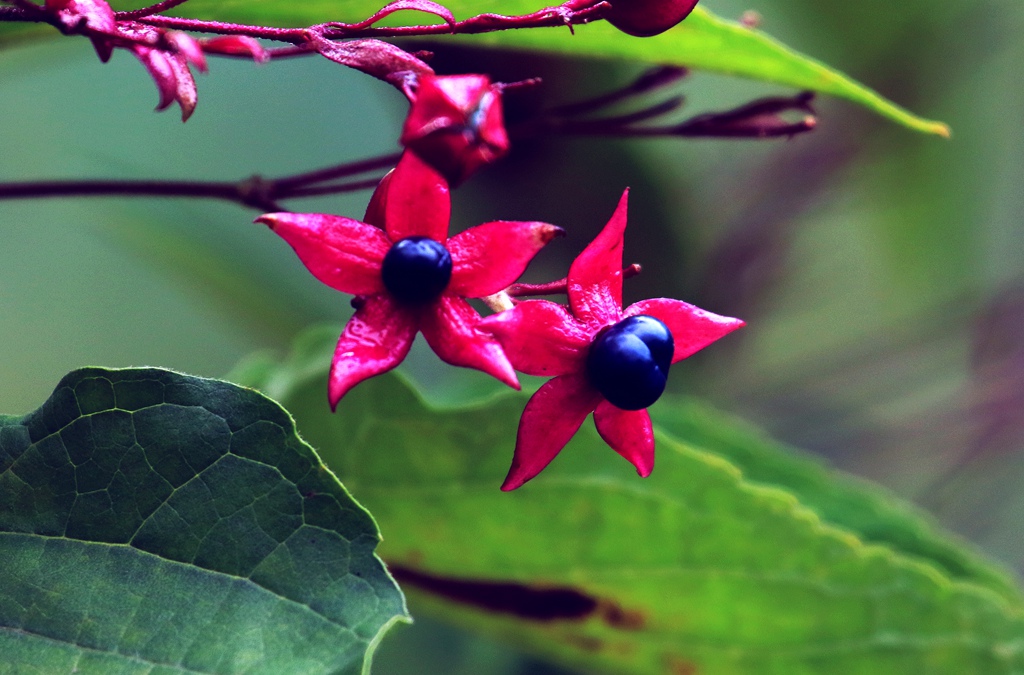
(628, 362)
(416, 270)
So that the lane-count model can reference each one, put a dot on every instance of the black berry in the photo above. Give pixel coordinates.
(628, 362)
(416, 270)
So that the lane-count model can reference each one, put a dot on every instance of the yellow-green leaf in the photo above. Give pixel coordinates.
(736, 556)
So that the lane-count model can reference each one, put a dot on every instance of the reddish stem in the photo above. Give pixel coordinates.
(560, 286)
(147, 11)
(568, 14)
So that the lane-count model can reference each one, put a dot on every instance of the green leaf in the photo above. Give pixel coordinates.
(854, 505)
(152, 522)
(735, 556)
(703, 42)
(706, 42)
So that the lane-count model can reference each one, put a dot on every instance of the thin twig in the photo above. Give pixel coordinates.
(147, 11)
(23, 11)
(256, 192)
(560, 286)
(339, 171)
(333, 188)
(578, 13)
(650, 80)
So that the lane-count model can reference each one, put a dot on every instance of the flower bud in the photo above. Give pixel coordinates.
(644, 18)
(456, 124)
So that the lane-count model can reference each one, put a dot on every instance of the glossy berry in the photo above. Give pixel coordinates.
(416, 270)
(628, 363)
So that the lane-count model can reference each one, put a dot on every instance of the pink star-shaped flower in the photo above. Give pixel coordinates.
(409, 211)
(546, 338)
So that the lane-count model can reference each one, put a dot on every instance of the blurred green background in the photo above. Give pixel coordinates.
(881, 272)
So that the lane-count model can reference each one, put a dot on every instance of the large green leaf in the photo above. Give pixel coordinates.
(705, 567)
(703, 41)
(152, 522)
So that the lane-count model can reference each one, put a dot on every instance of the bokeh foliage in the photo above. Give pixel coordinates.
(879, 271)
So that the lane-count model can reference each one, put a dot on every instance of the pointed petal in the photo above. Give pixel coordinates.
(419, 5)
(552, 417)
(441, 103)
(343, 253)
(418, 203)
(376, 339)
(629, 433)
(489, 257)
(375, 208)
(595, 277)
(96, 14)
(449, 327)
(493, 131)
(380, 59)
(185, 89)
(237, 44)
(189, 47)
(692, 328)
(160, 69)
(540, 338)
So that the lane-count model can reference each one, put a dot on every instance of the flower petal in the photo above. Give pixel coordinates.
(540, 338)
(190, 48)
(449, 327)
(552, 416)
(456, 124)
(158, 64)
(375, 208)
(489, 257)
(185, 89)
(629, 433)
(417, 201)
(376, 339)
(237, 45)
(382, 60)
(692, 328)
(595, 277)
(441, 103)
(343, 253)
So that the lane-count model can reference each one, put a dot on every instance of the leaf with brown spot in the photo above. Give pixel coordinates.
(736, 556)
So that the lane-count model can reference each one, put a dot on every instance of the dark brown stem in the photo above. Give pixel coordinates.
(649, 80)
(241, 193)
(255, 192)
(339, 171)
(773, 117)
(334, 188)
(26, 5)
(23, 11)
